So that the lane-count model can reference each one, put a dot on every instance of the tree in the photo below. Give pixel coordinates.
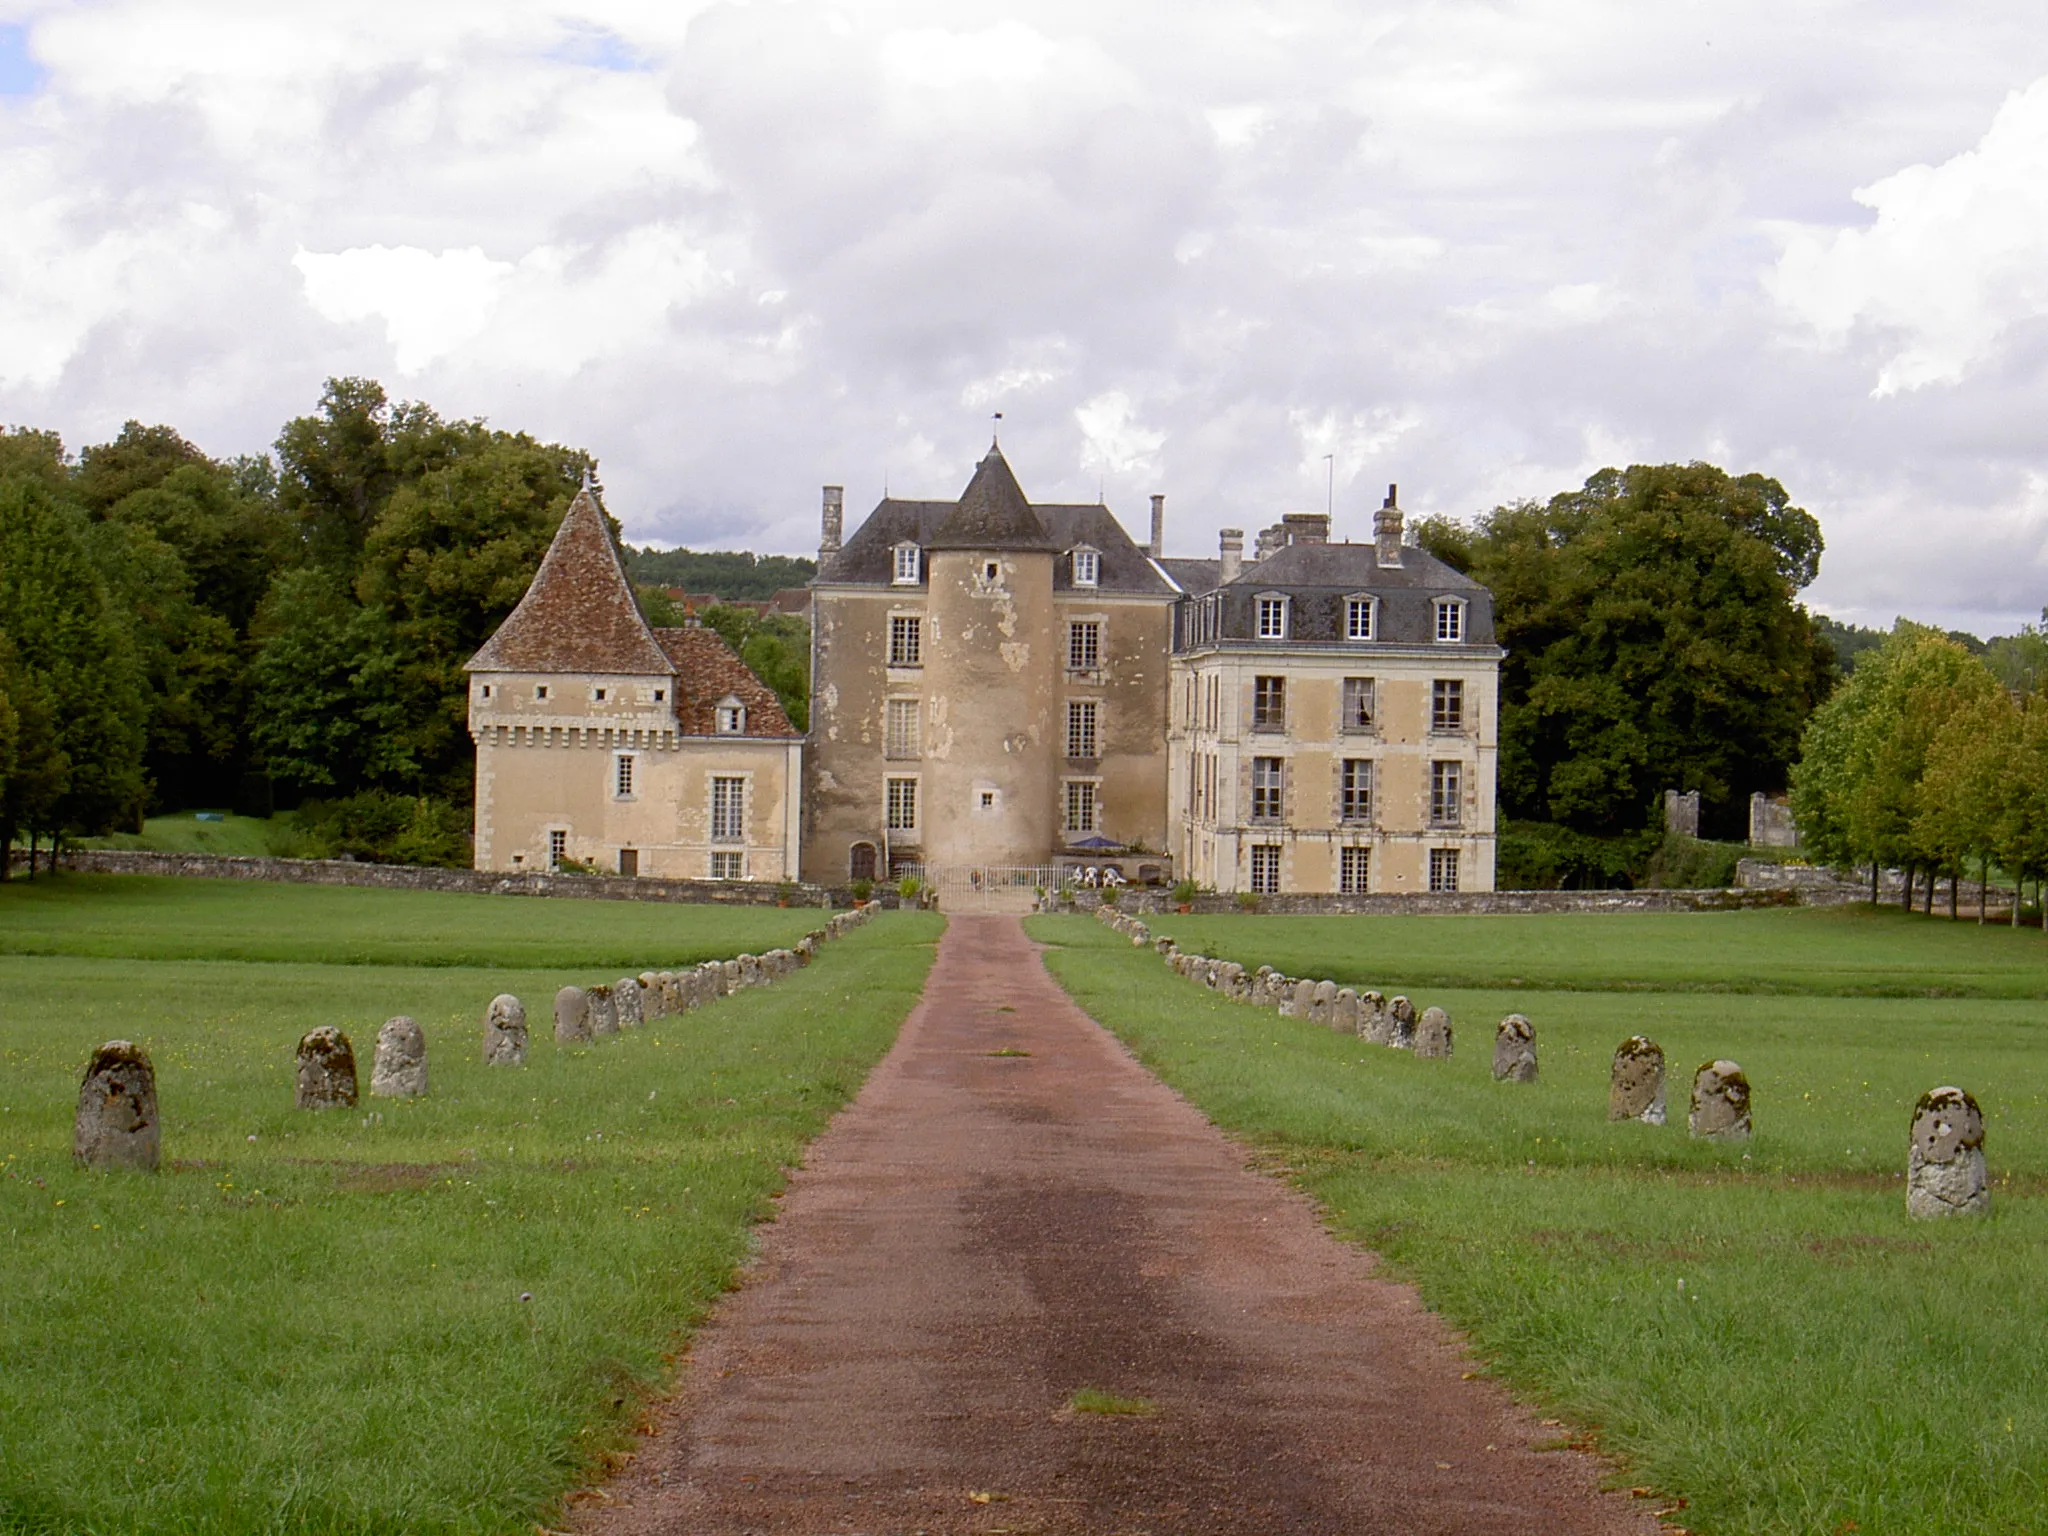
(327, 714)
(776, 648)
(1653, 642)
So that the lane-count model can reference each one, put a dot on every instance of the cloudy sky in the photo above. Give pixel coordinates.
(737, 250)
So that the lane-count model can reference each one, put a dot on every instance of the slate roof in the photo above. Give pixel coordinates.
(1194, 576)
(579, 613)
(1317, 578)
(868, 556)
(992, 513)
(706, 670)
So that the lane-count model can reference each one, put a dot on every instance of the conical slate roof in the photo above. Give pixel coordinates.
(993, 513)
(579, 614)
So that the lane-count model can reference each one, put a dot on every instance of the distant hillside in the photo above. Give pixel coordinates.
(723, 572)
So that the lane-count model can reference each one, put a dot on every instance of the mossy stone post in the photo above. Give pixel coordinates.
(604, 1013)
(572, 1016)
(327, 1070)
(1433, 1035)
(398, 1069)
(627, 997)
(117, 1125)
(1635, 1089)
(1401, 1024)
(1945, 1173)
(1375, 1025)
(1720, 1103)
(505, 1032)
(1514, 1050)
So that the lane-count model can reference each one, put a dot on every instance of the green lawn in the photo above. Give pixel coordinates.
(184, 832)
(431, 1316)
(1826, 1365)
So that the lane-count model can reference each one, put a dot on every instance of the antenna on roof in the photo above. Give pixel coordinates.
(995, 434)
(1330, 506)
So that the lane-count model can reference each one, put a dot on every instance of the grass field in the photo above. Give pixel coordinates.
(1759, 1331)
(430, 1316)
(184, 832)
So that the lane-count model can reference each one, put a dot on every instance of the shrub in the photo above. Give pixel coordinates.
(384, 828)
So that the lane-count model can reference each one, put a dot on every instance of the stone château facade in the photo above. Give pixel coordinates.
(604, 741)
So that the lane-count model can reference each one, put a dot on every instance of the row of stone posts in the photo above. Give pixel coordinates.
(118, 1123)
(1945, 1169)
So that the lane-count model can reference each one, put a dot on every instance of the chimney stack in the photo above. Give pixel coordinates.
(1158, 526)
(1306, 527)
(834, 520)
(1386, 528)
(1230, 543)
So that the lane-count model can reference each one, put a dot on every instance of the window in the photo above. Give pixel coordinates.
(1080, 805)
(731, 717)
(1269, 703)
(1272, 618)
(1445, 781)
(900, 735)
(1450, 619)
(1080, 728)
(991, 571)
(1443, 869)
(1354, 794)
(728, 866)
(906, 640)
(1358, 704)
(1267, 778)
(902, 806)
(558, 847)
(661, 695)
(1084, 646)
(597, 694)
(1265, 868)
(1358, 618)
(908, 565)
(541, 691)
(728, 809)
(1087, 567)
(1354, 867)
(622, 775)
(1447, 705)
(487, 690)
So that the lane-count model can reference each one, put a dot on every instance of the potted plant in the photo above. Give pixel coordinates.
(1184, 895)
(785, 893)
(862, 890)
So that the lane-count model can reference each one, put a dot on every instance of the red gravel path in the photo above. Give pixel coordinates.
(978, 1236)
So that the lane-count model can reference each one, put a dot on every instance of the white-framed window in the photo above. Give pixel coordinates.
(1446, 800)
(730, 717)
(623, 766)
(1358, 704)
(728, 866)
(728, 808)
(906, 640)
(1447, 704)
(1354, 871)
(1443, 869)
(909, 566)
(901, 735)
(1269, 703)
(1081, 727)
(902, 805)
(1266, 868)
(1087, 567)
(1084, 645)
(558, 846)
(1358, 618)
(1450, 618)
(1272, 617)
(1081, 805)
(1354, 790)
(1269, 778)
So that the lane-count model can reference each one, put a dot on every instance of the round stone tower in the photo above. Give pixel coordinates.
(991, 674)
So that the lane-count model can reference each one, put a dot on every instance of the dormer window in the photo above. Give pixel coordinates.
(1358, 617)
(1272, 616)
(1450, 619)
(730, 717)
(1087, 567)
(909, 565)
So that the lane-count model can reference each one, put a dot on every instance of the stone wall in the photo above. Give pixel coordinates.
(401, 877)
(1460, 902)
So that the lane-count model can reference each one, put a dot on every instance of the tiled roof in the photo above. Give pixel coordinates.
(706, 670)
(579, 614)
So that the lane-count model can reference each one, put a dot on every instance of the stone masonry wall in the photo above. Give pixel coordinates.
(1467, 902)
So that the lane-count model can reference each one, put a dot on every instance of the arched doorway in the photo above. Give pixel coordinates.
(860, 864)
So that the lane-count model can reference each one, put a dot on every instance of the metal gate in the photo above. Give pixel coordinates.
(991, 887)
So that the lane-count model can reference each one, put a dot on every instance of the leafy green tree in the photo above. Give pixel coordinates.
(1653, 642)
(2020, 661)
(327, 712)
(139, 458)
(776, 648)
(721, 572)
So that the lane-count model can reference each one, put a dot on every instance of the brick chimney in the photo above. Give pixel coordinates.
(834, 521)
(1158, 526)
(1230, 546)
(1386, 528)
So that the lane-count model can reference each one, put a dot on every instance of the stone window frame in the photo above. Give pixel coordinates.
(1348, 694)
(1267, 803)
(906, 567)
(1077, 792)
(1443, 870)
(660, 695)
(599, 693)
(1446, 793)
(1450, 620)
(486, 687)
(729, 716)
(1270, 616)
(558, 846)
(625, 768)
(1269, 702)
(718, 828)
(540, 693)
(1354, 870)
(907, 745)
(1265, 869)
(1447, 706)
(1090, 736)
(906, 639)
(1356, 603)
(727, 864)
(1085, 565)
(900, 794)
(1354, 801)
(1086, 642)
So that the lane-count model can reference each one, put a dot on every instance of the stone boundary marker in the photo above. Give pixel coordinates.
(1635, 1087)
(1945, 1173)
(118, 1125)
